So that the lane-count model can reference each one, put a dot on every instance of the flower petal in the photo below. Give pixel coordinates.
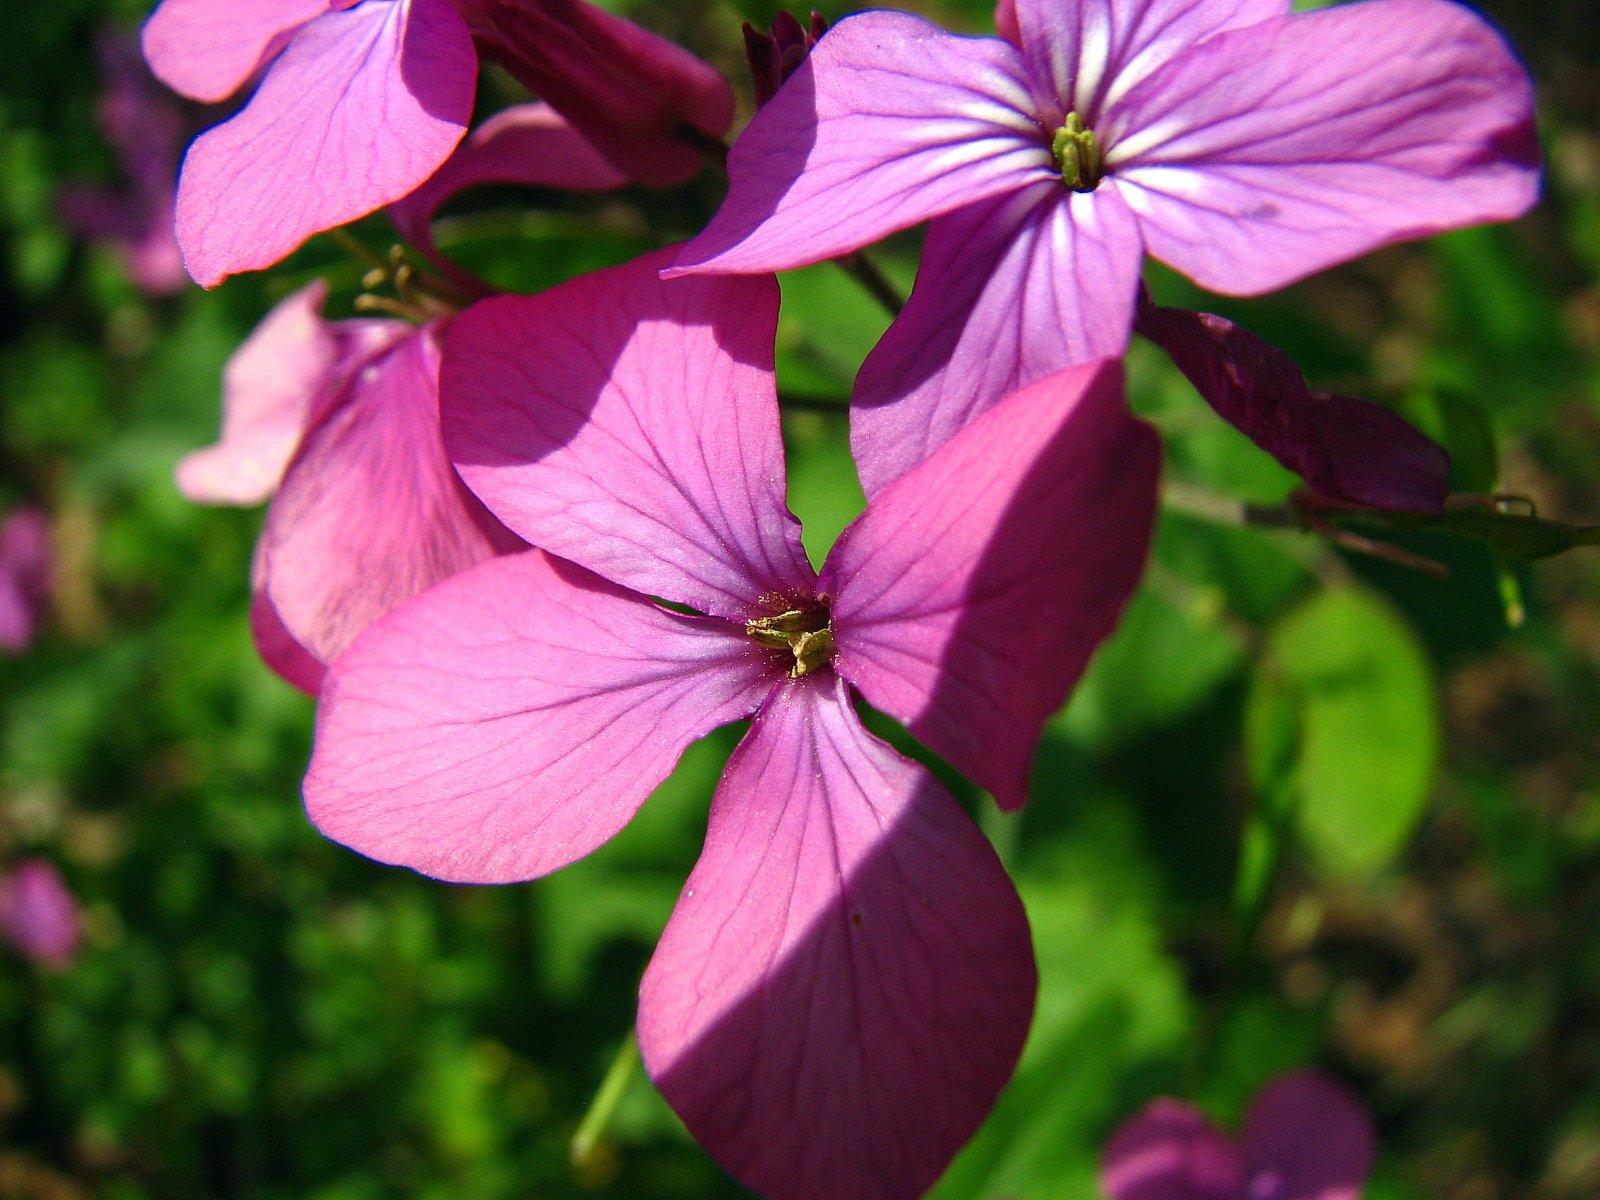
(847, 979)
(1347, 449)
(39, 915)
(630, 424)
(360, 108)
(528, 145)
(26, 562)
(1009, 291)
(1169, 1151)
(968, 597)
(890, 121)
(632, 93)
(1086, 54)
(285, 656)
(1311, 1135)
(208, 49)
(1272, 152)
(268, 388)
(513, 718)
(370, 512)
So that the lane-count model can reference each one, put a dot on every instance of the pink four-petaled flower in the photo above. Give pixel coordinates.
(1242, 144)
(847, 978)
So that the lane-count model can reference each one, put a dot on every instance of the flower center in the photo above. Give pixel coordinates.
(1077, 155)
(807, 633)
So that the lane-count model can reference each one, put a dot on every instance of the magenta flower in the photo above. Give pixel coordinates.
(847, 979)
(38, 914)
(362, 99)
(1245, 146)
(25, 565)
(1306, 1137)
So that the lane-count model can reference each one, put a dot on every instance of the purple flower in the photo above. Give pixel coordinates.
(361, 100)
(1306, 1137)
(25, 565)
(1245, 146)
(38, 914)
(847, 979)
(145, 127)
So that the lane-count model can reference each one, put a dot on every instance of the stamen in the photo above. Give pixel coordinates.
(804, 632)
(1077, 155)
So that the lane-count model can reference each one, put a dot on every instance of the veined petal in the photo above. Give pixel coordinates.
(370, 511)
(208, 49)
(888, 122)
(1010, 290)
(284, 656)
(512, 719)
(528, 145)
(630, 424)
(1272, 152)
(847, 979)
(360, 108)
(968, 597)
(1085, 54)
(1170, 1151)
(268, 388)
(1311, 1136)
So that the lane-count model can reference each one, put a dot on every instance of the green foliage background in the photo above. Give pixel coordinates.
(1307, 808)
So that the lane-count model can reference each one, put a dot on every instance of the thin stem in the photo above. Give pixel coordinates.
(871, 277)
(612, 1088)
(356, 250)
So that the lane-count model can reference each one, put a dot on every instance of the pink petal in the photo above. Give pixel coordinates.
(287, 658)
(1009, 291)
(39, 915)
(527, 145)
(26, 561)
(968, 597)
(1307, 1137)
(362, 106)
(209, 49)
(847, 979)
(370, 512)
(889, 122)
(267, 391)
(1271, 152)
(631, 425)
(1086, 54)
(629, 92)
(1169, 1151)
(1347, 449)
(513, 718)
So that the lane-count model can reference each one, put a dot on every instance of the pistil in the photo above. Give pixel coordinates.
(1077, 155)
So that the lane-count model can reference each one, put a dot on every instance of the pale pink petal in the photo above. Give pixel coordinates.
(1169, 1151)
(268, 388)
(1009, 291)
(39, 915)
(968, 597)
(209, 49)
(528, 145)
(889, 122)
(362, 106)
(847, 979)
(1307, 1137)
(631, 425)
(1272, 152)
(1346, 449)
(513, 718)
(287, 658)
(26, 561)
(632, 93)
(370, 511)
(1083, 55)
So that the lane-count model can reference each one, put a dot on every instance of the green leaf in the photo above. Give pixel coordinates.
(1342, 724)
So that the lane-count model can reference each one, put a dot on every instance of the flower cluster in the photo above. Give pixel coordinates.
(526, 549)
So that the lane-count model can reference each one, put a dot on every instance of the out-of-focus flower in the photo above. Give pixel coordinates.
(1306, 1137)
(510, 720)
(1348, 450)
(38, 914)
(146, 129)
(25, 565)
(1241, 144)
(361, 100)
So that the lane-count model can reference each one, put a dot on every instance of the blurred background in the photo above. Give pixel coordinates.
(1307, 808)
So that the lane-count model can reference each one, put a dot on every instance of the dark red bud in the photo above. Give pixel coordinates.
(776, 55)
